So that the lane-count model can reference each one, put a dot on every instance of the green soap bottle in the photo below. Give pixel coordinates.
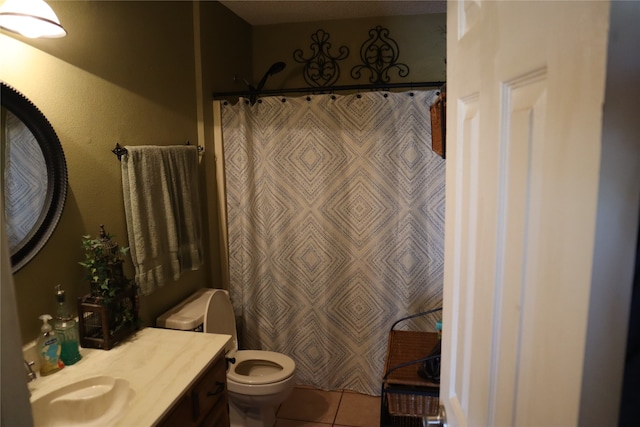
(48, 348)
(67, 329)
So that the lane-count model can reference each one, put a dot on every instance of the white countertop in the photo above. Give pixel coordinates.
(160, 364)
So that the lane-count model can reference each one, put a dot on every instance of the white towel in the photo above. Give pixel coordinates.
(162, 208)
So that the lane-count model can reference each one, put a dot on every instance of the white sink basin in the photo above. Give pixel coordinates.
(97, 401)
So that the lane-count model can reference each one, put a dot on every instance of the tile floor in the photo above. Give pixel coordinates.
(307, 407)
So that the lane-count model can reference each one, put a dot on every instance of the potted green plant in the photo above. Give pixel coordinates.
(104, 261)
(109, 312)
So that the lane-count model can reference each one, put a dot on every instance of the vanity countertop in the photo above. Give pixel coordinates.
(160, 364)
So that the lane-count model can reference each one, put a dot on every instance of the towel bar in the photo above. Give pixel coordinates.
(120, 151)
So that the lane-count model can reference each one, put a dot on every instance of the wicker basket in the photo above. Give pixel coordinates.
(411, 405)
(408, 394)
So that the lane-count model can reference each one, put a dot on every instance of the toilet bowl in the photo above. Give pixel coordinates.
(258, 381)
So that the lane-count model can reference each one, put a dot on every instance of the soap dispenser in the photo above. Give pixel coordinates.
(48, 348)
(66, 328)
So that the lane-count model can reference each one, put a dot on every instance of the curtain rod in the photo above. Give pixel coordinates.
(330, 89)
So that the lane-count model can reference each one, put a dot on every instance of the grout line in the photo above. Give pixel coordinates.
(335, 417)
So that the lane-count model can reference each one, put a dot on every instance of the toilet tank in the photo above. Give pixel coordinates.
(187, 315)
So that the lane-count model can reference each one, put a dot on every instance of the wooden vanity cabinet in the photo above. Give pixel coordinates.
(205, 403)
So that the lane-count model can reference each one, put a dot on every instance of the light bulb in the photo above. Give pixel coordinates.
(31, 18)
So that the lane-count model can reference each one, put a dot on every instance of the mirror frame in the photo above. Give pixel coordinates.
(57, 183)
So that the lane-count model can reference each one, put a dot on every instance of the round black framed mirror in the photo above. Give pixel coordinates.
(34, 176)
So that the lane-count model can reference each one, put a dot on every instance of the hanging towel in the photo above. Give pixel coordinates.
(160, 188)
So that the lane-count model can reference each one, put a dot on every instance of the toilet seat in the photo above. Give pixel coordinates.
(275, 367)
(268, 368)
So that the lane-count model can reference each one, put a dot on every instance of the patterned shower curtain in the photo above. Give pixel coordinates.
(335, 211)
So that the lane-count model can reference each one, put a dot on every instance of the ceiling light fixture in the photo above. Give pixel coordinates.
(31, 18)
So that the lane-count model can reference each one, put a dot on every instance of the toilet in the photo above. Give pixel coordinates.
(258, 381)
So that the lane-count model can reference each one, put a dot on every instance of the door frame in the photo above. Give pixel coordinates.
(616, 224)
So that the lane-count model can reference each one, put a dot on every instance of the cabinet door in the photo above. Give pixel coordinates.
(218, 417)
(210, 390)
(181, 415)
(205, 403)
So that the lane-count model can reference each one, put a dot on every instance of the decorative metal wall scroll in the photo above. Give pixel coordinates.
(379, 55)
(321, 69)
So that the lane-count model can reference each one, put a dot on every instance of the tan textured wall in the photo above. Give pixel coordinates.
(125, 73)
(225, 51)
(226, 42)
(134, 73)
(421, 41)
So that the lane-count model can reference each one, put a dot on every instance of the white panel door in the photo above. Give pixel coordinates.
(525, 88)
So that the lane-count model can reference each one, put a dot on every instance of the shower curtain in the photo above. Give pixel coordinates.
(335, 208)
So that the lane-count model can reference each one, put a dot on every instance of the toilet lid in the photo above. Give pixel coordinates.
(285, 362)
(219, 317)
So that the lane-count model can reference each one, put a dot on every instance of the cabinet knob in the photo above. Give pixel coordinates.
(219, 389)
(231, 360)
